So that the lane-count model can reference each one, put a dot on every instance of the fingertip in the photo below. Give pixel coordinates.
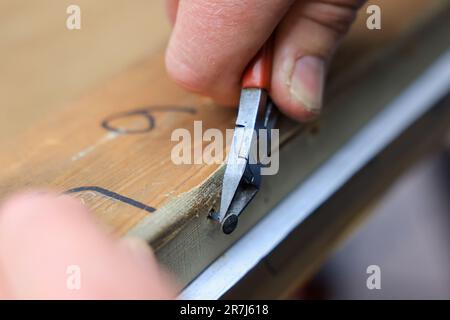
(201, 81)
(204, 79)
(26, 208)
(288, 102)
(301, 114)
(297, 111)
(164, 284)
(184, 73)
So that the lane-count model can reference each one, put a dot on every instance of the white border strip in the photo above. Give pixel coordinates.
(245, 254)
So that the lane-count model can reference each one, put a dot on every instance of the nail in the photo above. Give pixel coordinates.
(307, 82)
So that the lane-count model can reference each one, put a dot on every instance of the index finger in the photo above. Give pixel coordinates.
(213, 41)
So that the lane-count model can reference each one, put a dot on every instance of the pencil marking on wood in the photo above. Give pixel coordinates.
(147, 116)
(108, 137)
(113, 195)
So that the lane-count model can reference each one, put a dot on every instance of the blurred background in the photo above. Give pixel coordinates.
(407, 236)
(43, 67)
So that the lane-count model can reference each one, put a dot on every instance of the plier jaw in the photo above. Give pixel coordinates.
(245, 193)
(235, 200)
(247, 188)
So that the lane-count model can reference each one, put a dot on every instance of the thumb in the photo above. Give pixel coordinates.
(306, 40)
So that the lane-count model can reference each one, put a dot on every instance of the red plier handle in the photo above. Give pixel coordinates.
(259, 71)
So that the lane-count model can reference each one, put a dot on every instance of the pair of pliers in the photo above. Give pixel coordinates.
(242, 176)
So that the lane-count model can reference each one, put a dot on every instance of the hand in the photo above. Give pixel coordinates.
(43, 235)
(213, 41)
